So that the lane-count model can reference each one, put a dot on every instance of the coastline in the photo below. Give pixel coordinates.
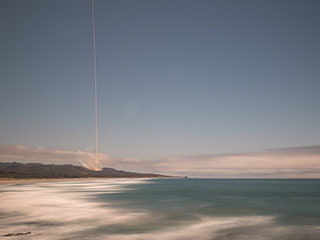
(35, 180)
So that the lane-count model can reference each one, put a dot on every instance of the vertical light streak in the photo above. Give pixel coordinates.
(95, 82)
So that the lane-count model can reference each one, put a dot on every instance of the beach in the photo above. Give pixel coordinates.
(36, 180)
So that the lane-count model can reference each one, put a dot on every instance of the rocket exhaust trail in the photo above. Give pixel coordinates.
(95, 83)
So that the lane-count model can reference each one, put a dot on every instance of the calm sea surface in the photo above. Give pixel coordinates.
(168, 209)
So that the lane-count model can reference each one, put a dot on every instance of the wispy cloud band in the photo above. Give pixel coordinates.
(22, 153)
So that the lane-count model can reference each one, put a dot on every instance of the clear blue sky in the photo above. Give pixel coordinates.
(175, 77)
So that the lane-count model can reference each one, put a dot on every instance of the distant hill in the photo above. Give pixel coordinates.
(38, 170)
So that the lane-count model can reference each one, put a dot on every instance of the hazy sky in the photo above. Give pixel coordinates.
(175, 77)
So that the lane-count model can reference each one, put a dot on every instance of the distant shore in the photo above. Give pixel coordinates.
(34, 180)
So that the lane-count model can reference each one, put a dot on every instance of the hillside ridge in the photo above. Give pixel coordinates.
(39, 170)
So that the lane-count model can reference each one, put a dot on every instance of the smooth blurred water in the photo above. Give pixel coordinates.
(170, 209)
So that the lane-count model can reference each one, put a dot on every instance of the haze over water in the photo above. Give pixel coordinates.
(170, 209)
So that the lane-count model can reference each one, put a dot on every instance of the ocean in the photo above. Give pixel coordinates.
(164, 209)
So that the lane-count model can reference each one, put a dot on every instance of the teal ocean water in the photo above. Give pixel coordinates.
(170, 209)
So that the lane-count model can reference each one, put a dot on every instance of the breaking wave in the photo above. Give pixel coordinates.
(70, 210)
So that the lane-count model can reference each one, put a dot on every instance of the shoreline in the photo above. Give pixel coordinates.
(35, 180)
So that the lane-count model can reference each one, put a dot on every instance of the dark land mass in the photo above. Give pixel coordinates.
(37, 170)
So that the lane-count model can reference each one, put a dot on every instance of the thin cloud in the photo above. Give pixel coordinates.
(297, 162)
(27, 154)
(304, 150)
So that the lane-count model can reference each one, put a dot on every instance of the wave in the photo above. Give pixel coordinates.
(69, 210)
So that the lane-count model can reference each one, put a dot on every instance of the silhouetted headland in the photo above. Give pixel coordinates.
(16, 170)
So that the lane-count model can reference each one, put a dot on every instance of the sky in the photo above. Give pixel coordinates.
(180, 84)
